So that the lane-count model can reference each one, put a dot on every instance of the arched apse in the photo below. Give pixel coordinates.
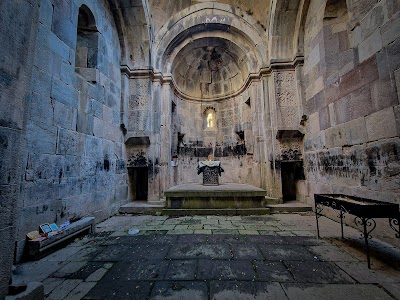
(197, 38)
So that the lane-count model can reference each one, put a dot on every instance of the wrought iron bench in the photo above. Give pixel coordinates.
(364, 210)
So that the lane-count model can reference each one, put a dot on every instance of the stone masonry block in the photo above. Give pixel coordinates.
(372, 21)
(381, 124)
(70, 142)
(46, 13)
(41, 138)
(336, 136)
(41, 82)
(41, 110)
(64, 93)
(370, 45)
(390, 31)
(356, 131)
(383, 93)
(360, 76)
(64, 116)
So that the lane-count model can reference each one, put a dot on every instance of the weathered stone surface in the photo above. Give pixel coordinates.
(381, 124)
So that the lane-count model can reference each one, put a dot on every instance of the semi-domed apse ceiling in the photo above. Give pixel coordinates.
(210, 68)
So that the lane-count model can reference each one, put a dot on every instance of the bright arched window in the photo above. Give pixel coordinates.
(210, 118)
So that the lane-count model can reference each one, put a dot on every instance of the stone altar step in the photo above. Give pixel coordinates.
(142, 207)
(216, 212)
(289, 207)
(223, 196)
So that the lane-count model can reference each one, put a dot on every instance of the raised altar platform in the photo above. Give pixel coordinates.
(228, 196)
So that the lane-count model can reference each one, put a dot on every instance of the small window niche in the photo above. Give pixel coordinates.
(210, 122)
(87, 45)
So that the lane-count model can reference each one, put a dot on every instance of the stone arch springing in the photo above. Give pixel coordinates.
(87, 43)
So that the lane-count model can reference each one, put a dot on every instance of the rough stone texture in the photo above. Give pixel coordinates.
(215, 266)
(74, 145)
(328, 71)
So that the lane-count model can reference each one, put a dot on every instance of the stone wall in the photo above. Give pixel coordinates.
(74, 160)
(16, 58)
(351, 82)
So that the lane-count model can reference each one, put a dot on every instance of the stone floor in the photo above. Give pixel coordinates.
(210, 257)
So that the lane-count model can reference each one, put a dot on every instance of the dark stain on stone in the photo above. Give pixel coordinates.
(106, 164)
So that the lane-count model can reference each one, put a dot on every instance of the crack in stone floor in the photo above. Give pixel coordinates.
(213, 257)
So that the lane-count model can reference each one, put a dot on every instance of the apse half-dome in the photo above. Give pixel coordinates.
(210, 68)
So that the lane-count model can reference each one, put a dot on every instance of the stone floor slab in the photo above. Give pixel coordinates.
(335, 292)
(245, 251)
(181, 270)
(286, 252)
(137, 270)
(120, 289)
(228, 290)
(272, 271)
(317, 272)
(225, 270)
(186, 251)
(112, 253)
(172, 290)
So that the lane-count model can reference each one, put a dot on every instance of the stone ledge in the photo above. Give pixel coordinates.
(221, 212)
(38, 249)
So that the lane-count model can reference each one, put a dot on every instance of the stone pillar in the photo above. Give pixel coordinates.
(166, 137)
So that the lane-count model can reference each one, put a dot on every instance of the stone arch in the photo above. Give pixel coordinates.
(213, 17)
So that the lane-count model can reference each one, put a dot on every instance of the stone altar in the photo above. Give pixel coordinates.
(211, 170)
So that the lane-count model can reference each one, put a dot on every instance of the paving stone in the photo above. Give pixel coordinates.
(226, 238)
(225, 231)
(137, 270)
(146, 251)
(225, 270)
(286, 252)
(50, 284)
(303, 233)
(245, 251)
(120, 289)
(334, 292)
(193, 290)
(331, 253)
(85, 271)
(80, 291)
(305, 240)
(96, 275)
(191, 222)
(64, 289)
(272, 271)
(87, 253)
(317, 272)
(275, 240)
(360, 272)
(224, 290)
(186, 251)
(192, 238)
(202, 231)
(69, 268)
(112, 253)
(181, 270)
(392, 288)
(285, 233)
(38, 270)
(267, 232)
(180, 231)
(180, 227)
(249, 232)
